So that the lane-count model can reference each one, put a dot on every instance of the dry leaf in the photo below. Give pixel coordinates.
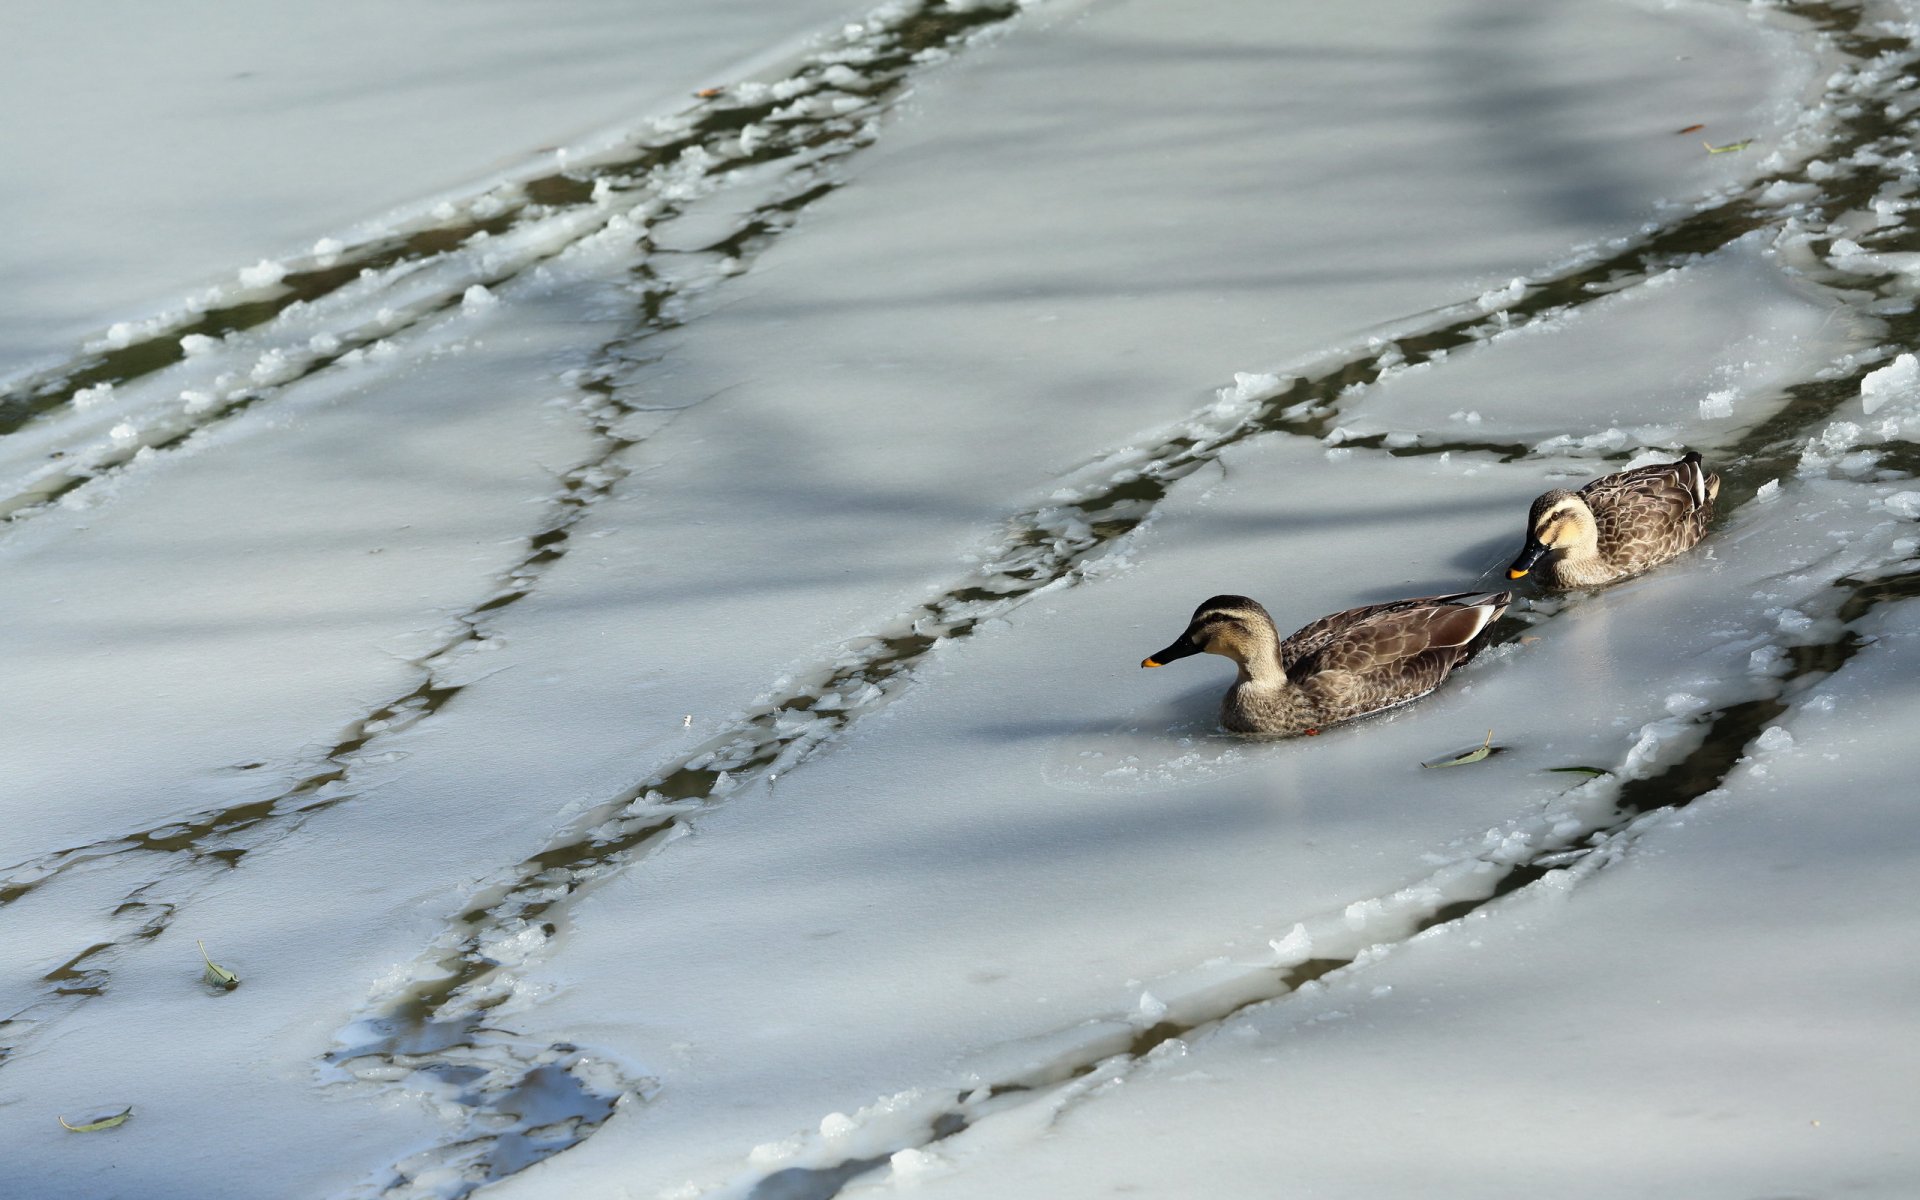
(99, 1118)
(216, 974)
(1472, 756)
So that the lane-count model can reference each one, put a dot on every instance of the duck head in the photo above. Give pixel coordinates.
(1560, 520)
(1231, 626)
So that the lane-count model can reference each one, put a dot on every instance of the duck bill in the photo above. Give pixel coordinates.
(1528, 557)
(1180, 649)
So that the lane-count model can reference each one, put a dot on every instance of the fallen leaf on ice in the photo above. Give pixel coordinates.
(99, 1118)
(216, 974)
(1472, 756)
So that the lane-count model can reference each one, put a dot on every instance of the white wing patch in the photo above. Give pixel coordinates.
(1697, 483)
(1487, 610)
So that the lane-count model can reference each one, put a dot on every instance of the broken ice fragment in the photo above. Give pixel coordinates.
(1882, 385)
(264, 273)
(1903, 504)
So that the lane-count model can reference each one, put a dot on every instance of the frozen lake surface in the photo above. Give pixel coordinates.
(601, 572)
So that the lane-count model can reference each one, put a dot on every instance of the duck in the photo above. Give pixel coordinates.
(1617, 526)
(1339, 667)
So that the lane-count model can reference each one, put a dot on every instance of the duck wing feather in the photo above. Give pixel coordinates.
(1378, 636)
(1651, 513)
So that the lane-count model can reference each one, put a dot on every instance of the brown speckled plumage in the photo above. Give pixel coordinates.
(1338, 667)
(1617, 526)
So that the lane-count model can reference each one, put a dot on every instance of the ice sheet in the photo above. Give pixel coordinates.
(1694, 361)
(1694, 1016)
(159, 149)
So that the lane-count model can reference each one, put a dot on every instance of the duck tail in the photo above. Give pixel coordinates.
(1704, 485)
(1468, 618)
(1487, 609)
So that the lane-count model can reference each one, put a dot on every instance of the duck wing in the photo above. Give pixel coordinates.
(1652, 511)
(1378, 636)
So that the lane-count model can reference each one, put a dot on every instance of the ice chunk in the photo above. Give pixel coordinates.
(1793, 622)
(1717, 405)
(477, 299)
(1501, 297)
(1645, 756)
(273, 367)
(1297, 946)
(1858, 464)
(1839, 436)
(911, 1163)
(1773, 741)
(1361, 913)
(514, 944)
(837, 1125)
(87, 397)
(1768, 490)
(1248, 388)
(1879, 386)
(1782, 192)
(843, 77)
(769, 1154)
(1904, 504)
(264, 273)
(1686, 704)
(195, 344)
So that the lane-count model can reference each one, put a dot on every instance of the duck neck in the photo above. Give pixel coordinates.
(1259, 661)
(1578, 562)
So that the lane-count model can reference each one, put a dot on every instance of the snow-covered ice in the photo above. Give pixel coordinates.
(1694, 358)
(163, 149)
(1698, 1016)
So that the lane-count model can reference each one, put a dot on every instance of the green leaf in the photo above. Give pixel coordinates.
(1729, 148)
(101, 1118)
(1580, 770)
(1471, 756)
(216, 974)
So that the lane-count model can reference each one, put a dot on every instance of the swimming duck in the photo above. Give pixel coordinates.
(1618, 525)
(1339, 667)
